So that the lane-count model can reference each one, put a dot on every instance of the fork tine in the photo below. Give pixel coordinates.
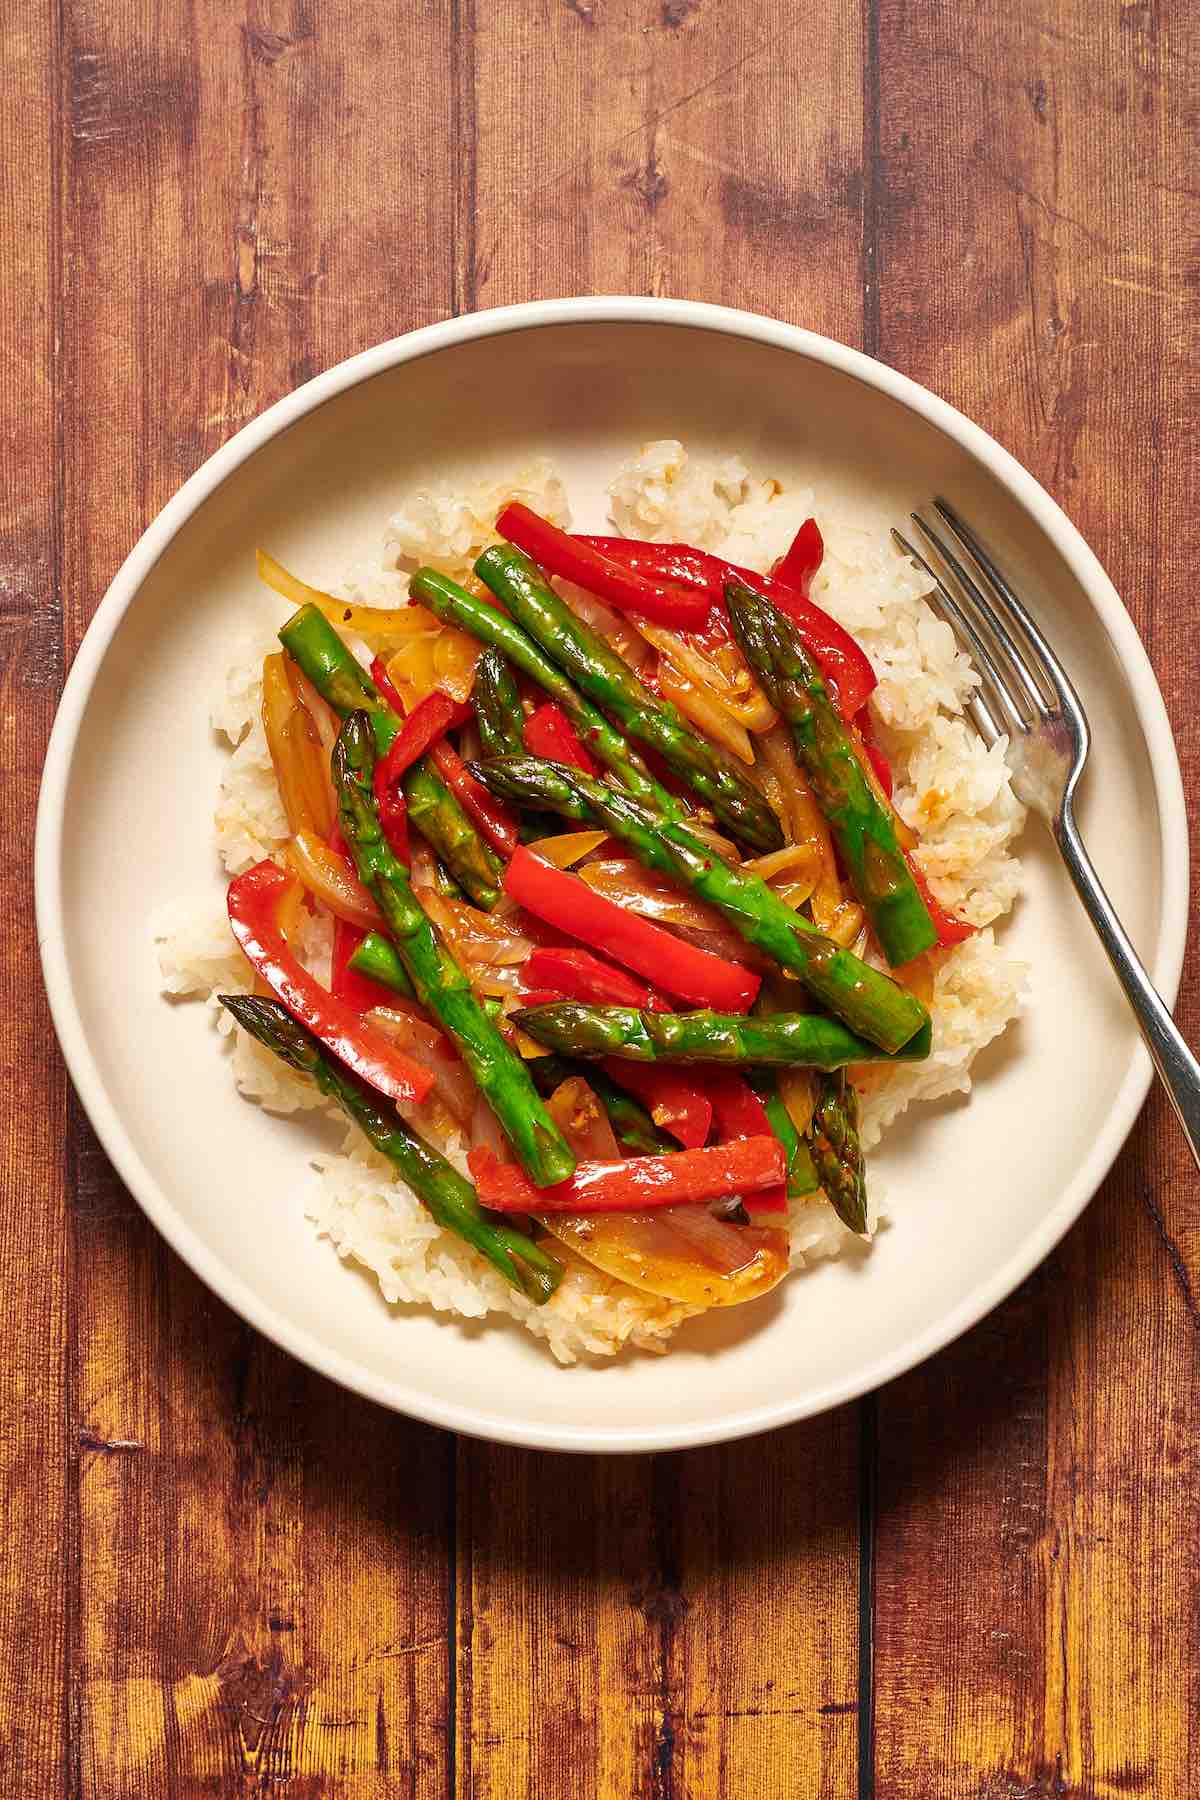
(1052, 670)
(992, 697)
(993, 626)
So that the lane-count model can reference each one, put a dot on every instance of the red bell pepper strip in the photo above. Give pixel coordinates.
(578, 975)
(426, 723)
(345, 983)
(739, 1113)
(383, 682)
(640, 1182)
(567, 902)
(550, 734)
(804, 558)
(843, 662)
(577, 560)
(950, 930)
(493, 818)
(252, 900)
(672, 1096)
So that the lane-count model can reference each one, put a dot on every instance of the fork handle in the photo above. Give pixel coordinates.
(1178, 1069)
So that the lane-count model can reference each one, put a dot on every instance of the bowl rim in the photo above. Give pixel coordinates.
(1026, 491)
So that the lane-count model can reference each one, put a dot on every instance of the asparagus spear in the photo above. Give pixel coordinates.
(612, 684)
(450, 1198)
(453, 604)
(628, 1117)
(837, 1151)
(802, 1174)
(437, 815)
(871, 1003)
(809, 1039)
(501, 721)
(498, 705)
(440, 984)
(338, 677)
(862, 826)
(378, 959)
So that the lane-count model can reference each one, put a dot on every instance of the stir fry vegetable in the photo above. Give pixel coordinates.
(439, 982)
(869, 1002)
(576, 1029)
(609, 681)
(563, 900)
(862, 826)
(448, 1195)
(680, 803)
(253, 903)
(640, 1182)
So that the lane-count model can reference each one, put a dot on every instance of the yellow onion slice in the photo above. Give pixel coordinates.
(698, 703)
(681, 1253)
(729, 681)
(569, 847)
(426, 1045)
(376, 625)
(329, 880)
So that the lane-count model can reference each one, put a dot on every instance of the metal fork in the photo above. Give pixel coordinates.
(1027, 694)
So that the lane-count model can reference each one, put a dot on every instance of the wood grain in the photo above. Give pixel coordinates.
(264, 1598)
(695, 1617)
(226, 1577)
(34, 1452)
(1057, 1440)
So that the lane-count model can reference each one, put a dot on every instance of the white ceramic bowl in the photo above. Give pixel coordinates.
(978, 1191)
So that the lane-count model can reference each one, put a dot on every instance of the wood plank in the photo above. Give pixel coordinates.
(263, 1594)
(1038, 1483)
(681, 1625)
(670, 1625)
(682, 154)
(33, 1244)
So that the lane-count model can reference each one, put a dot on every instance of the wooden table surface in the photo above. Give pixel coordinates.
(223, 1575)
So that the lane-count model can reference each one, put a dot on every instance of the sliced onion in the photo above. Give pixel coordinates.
(719, 1245)
(376, 625)
(569, 847)
(799, 1095)
(690, 1262)
(426, 1045)
(698, 703)
(806, 824)
(487, 1133)
(329, 880)
(480, 939)
(583, 1121)
(625, 881)
(729, 680)
(619, 632)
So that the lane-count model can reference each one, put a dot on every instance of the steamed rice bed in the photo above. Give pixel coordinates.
(950, 788)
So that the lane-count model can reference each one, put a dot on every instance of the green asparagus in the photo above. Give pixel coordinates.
(629, 1119)
(870, 1003)
(453, 604)
(498, 710)
(338, 677)
(440, 984)
(801, 1172)
(837, 1150)
(438, 816)
(450, 1198)
(609, 681)
(575, 1028)
(862, 827)
(379, 960)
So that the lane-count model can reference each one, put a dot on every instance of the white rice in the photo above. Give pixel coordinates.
(949, 787)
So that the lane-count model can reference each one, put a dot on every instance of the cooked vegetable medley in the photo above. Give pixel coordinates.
(621, 905)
